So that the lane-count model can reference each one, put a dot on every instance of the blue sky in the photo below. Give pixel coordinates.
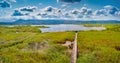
(91, 3)
(8, 7)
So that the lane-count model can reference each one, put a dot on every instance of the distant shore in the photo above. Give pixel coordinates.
(49, 22)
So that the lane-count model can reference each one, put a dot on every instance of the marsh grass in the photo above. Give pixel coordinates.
(31, 46)
(99, 46)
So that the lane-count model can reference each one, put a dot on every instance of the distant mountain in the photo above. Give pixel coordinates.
(45, 22)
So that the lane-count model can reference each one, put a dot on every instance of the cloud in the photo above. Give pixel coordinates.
(117, 13)
(107, 11)
(100, 12)
(17, 13)
(73, 13)
(23, 11)
(49, 9)
(28, 9)
(69, 1)
(84, 13)
(64, 5)
(50, 12)
(20, 15)
(5, 4)
(110, 9)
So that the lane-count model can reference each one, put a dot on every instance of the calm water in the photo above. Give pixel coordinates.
(65, 27)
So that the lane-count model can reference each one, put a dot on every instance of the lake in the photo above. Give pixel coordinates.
(68, 27)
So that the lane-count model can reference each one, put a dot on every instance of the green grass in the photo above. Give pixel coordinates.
(20, 28)
(93, 25)
(33, 47)
(51, 52)
(98, 47)
(28, 45)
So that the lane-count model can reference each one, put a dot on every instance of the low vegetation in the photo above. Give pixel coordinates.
(25, 44)
(99, 47)
(17, 29)
(93, 25)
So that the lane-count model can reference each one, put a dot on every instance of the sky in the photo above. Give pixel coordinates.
(11, 10)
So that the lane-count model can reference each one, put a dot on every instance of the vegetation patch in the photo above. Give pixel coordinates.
(31, 46)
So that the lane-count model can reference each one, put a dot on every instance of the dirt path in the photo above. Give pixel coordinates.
(74, 50)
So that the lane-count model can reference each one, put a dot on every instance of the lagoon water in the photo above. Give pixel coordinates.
(66, 27)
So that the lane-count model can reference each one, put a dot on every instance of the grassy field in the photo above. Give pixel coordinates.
(99, 47)
(26, 44)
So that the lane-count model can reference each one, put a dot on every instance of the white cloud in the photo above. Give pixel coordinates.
(19, 13)
(110, 9)
(117, 14)
(64, 5)
(28, 9)
(5, 4)
(49, 9)
(107, 13)
(50, 12)
(84, 13)
(24, 11)
(101, 12)
(107, 10)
